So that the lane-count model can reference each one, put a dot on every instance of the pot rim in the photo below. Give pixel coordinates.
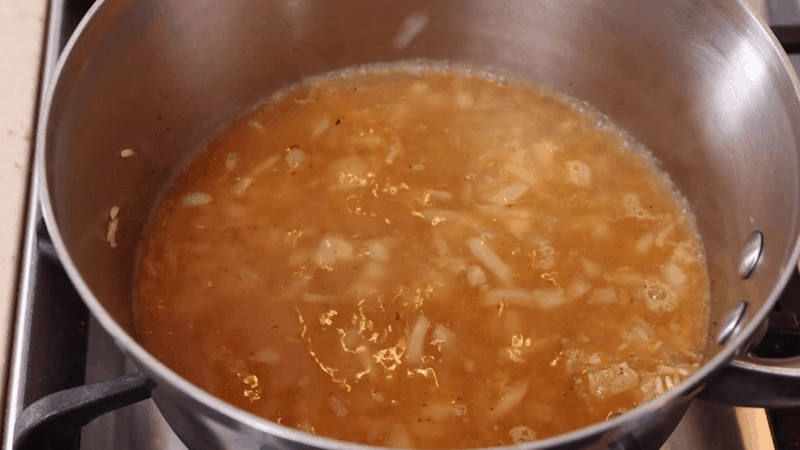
(155, 368)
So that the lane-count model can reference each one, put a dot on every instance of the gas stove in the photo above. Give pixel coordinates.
(58, 345)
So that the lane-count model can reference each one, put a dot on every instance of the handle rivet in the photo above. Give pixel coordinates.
(731, 323)
(751, 252)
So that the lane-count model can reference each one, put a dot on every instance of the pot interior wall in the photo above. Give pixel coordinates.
(700, 84)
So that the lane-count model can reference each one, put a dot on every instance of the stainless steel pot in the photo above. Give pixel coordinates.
(702, 83)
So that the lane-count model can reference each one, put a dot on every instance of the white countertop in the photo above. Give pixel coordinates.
(22, 23)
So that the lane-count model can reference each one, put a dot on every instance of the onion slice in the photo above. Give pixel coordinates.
(443, 335)
(417, 340)
(196, 199)
(490, 259)
(510, 400)
(475, 276)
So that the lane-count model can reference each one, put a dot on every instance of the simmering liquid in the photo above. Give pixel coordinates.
(424, 260)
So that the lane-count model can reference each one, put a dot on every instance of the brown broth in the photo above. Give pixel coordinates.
(427, 260)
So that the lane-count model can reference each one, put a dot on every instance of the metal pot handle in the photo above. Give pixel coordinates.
(757, 382)
(55, 421)
(767, 377)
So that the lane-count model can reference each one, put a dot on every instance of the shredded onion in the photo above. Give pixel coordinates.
(350, 338)
(601, 231)
(440, 245)
(417, 340)
(377, 251)
(428, 429)
(394, 151)
(321, 126)
(196, 199)
(337, 405)
(451, 216)
(439, 195)
(516, 220)
(399, 438)
(112, 233)
(673, 274)
(475, 276)
(267, 164)
(523, 174)
(640, 332)
(511, 296)
(541, 298)
(522, 434)
(443, 335)
(618, 378)
(662, 236)
(544, 151)
(510, 400)
(296, 159)
(318, 298)
(579, 173)
(368, 140)
(629, 278)
(437, 409)
(603, 296)
(366, 361)
(510, 194)
(295, 287)
(454, 265)
(464, 100)
(332, 249)
(241, 186)
(299, 257)
(248, 275)
(490, 259)
(659, 386)
(374, 272)
(467, 193)
(578, 288)
(348, 172)
(645, 242)
(230, 163)
(591, 269)
(548, 298)
(268, 356)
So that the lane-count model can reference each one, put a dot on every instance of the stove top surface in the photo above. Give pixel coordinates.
(74, 350)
